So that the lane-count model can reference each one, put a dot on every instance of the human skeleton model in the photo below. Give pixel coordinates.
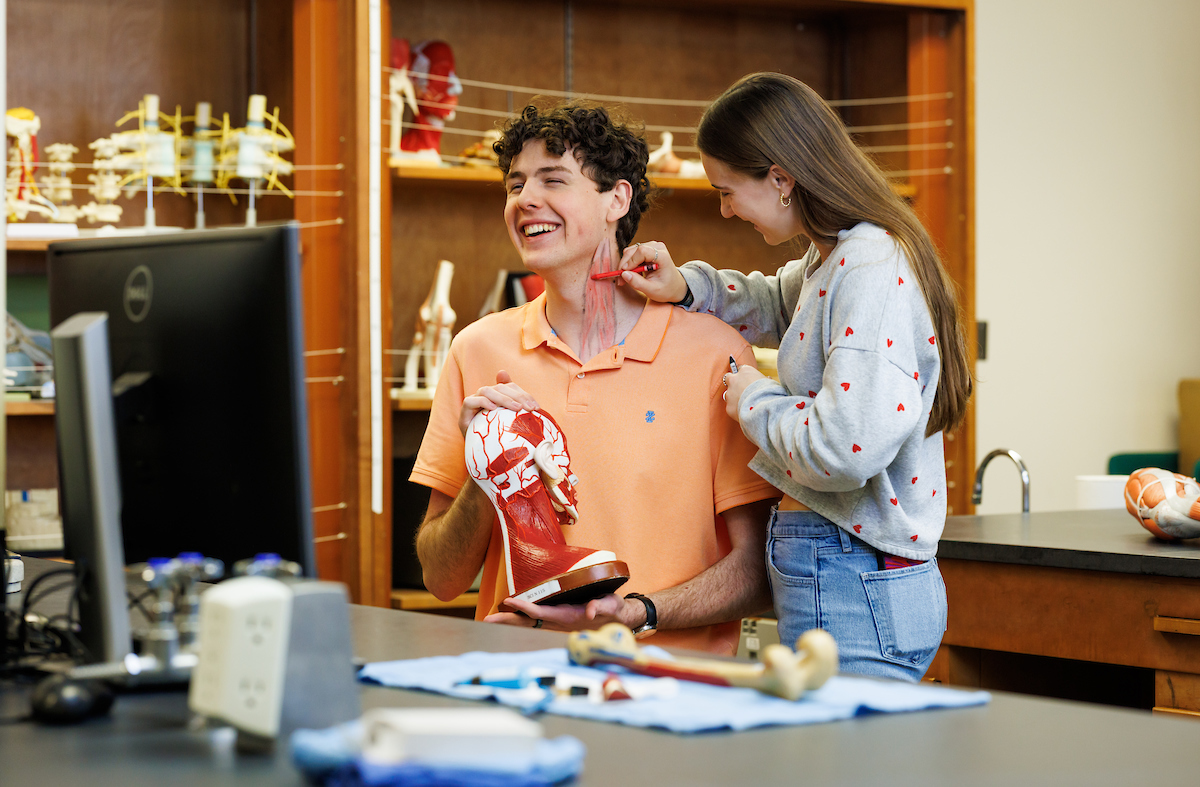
(780, 671)
(423, 78)
(254, 153)
(431, 339)
(520, 461)
(664, 161)
(21, 192)
(1167, 504)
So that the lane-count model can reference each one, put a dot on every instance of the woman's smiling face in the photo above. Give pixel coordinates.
(754, 200)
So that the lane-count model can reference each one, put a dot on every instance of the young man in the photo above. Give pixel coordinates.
(636, 388)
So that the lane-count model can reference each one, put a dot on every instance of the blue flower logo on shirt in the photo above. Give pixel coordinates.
(649, 416)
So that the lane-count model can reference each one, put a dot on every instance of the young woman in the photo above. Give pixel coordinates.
(872, 367)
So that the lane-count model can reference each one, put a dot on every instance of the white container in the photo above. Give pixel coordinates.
(462, 737)
(1100, 491)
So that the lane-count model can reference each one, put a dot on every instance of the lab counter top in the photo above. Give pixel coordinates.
(150, 738)
(1101, 540)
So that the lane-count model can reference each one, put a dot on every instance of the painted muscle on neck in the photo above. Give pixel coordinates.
(599, 306)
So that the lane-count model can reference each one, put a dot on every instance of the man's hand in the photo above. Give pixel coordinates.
(735, 385)
(568, 617)
(505, 393)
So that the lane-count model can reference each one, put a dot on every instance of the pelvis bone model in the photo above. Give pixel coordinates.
(1167, 504)
(520, 461)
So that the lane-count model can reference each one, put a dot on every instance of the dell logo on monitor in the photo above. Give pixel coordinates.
(138, 289)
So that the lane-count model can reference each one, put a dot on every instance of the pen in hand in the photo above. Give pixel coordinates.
(732, 365)
(645, 267)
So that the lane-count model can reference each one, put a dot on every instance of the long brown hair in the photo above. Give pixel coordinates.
(766, 119)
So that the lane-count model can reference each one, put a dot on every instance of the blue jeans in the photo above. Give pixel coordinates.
(885, 623)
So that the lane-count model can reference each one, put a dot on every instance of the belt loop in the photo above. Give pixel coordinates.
(847, 544)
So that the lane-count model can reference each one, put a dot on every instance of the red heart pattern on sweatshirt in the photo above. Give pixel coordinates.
(858, 528)
(821, 293)
(889, 342)
(845, 386)
(856, 448)
(849, 331)
(894, 501)
(900, 407)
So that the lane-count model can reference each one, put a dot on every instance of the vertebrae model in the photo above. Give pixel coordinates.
(254, 153)
(1167, 504)
(520, 460)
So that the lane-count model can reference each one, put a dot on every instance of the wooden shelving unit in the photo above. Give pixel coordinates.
(309, 58)
(32, 407)
(424, 601)
(465, 174)
(29, 244)
(845, 49)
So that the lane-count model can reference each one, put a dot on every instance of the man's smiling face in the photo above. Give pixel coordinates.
(555, 214)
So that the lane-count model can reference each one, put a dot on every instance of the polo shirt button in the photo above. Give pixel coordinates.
(580, 375)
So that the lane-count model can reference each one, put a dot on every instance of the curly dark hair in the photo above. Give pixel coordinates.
(607, 149)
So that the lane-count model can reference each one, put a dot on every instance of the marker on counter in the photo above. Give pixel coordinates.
(645, 267)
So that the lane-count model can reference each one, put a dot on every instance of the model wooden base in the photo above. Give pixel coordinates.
(782, 672)
(579, 586)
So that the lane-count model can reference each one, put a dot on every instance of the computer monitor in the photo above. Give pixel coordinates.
(91, 494)
(206, 347)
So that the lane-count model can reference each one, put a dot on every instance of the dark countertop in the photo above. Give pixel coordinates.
(1014, 740)
(1103, 540)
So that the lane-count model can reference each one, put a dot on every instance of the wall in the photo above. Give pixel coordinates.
(1088, 271)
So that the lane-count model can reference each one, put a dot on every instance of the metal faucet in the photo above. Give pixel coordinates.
(977, 495)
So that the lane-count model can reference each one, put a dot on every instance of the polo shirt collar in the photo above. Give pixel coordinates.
(642, 343)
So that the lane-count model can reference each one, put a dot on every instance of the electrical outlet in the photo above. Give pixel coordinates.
(757, 633)
(245, 625)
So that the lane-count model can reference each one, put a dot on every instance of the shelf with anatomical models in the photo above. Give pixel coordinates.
(423, 95)
(153, 158)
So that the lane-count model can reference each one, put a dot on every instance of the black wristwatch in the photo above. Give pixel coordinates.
(685, 303)
(651, 624)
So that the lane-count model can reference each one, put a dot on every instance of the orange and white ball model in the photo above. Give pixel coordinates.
(1167, 504)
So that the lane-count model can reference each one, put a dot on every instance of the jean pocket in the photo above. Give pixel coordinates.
(793, 561)
(909, 607)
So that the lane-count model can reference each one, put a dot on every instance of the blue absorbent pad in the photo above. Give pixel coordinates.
(331, 757)
(698, 707)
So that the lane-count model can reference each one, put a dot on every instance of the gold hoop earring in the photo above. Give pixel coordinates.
(785, 201)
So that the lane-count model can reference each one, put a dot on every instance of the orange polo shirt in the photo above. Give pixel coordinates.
(656, 457)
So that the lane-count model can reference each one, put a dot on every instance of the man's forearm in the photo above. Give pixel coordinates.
(730, 589)
(453, 542)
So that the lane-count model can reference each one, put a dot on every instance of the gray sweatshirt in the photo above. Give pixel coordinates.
(843, 431)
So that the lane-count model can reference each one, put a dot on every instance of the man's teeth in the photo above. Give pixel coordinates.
(538, 229)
